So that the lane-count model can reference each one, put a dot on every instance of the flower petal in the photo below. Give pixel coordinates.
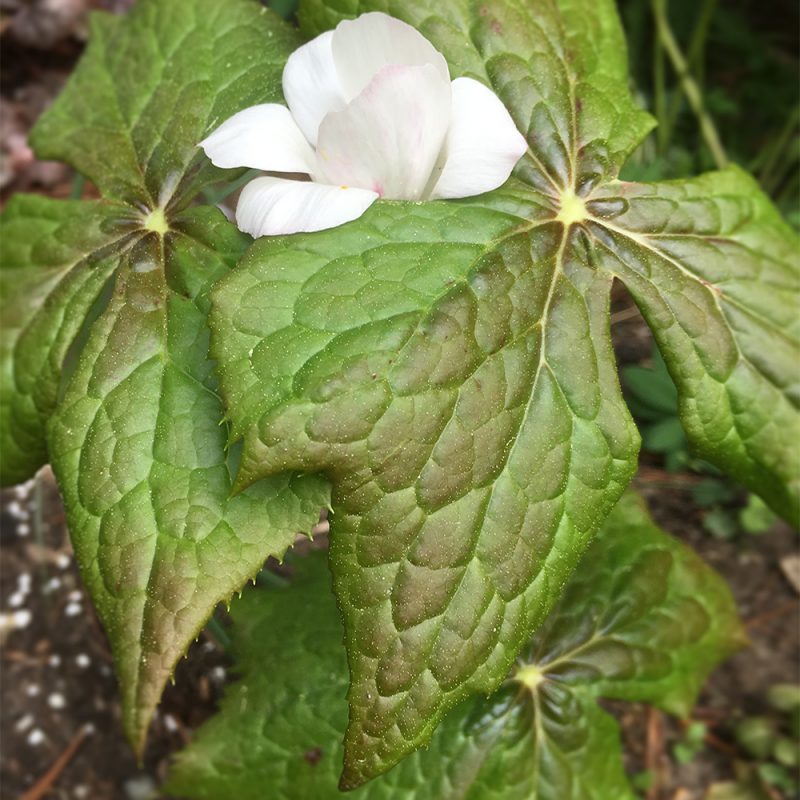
(272, 206)
(311, 85)
(364, 46)
(260, 137)
(389, 138)
(483, 145)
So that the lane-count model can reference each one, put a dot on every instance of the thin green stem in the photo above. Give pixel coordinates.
(695, 58)
(660, 96)
(689, 86)
(777, 153)
(790, 192)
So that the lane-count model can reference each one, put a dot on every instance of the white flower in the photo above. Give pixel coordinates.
(372, 113)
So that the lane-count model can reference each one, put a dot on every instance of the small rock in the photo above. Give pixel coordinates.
(35, 737)
(140, 788)
(23, 723)
(73, 609)
(790, 566)
(15, 620)
(16, 510)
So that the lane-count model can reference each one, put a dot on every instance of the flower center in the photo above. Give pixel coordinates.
(573, 209)
(530, 676)
(156, 221)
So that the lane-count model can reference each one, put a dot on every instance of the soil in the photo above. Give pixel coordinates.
(60, 719)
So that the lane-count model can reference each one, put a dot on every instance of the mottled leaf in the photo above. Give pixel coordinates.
(114, 294)
(716, 273)
(151, 86)
(447, 365)
(139, 453)
(56, 257)
(642, 618)
(424, 360)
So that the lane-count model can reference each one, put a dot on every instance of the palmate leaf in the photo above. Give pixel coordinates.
(140, 457)
(716, 274)
(470, 461)
(56, 257)
(642, 618)
(152, 85)
(114, 294)
(447, 365)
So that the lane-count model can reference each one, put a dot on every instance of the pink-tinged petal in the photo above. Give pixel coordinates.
(388, 139)
(362, 47)
(311, 85)
(260, 137)
(483, 145)
(273, 206)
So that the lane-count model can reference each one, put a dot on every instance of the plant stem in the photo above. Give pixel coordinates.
(775, 153)
(791, 190)
(688, 84)
(695, 57)
(659, 96)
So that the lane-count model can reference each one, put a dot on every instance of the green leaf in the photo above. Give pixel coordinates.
(784, 697)
(447, 365)
(642, 618)
(721, 523)
(645, 622)
(652, 388)
(665, 436)
(57, 255)
(152, 85)
(139, 453)
(751, 786)
(105, 338)
(691, 743)
(785, 752)
(423, 358)
(714, 271)
(756, 517)
(713, 492)
(756, 735)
